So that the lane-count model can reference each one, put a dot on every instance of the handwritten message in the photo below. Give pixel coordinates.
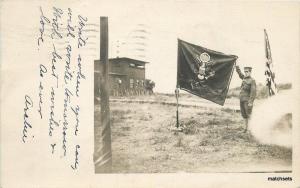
(61, 37)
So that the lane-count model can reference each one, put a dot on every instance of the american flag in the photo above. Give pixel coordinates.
(270, 75)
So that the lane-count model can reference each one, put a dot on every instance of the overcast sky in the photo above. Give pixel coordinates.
(232, 28)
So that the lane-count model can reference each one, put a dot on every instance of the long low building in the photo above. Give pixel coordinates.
(126, 76)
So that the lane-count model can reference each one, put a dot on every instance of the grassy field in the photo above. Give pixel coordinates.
(212, 141)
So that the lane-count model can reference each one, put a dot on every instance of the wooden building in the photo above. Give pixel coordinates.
(126, 76)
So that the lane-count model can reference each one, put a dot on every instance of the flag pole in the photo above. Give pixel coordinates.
(177, 97)
(177, 84)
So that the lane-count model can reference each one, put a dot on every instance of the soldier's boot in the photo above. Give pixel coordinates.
(246, 123)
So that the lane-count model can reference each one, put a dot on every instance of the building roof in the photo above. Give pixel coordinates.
(117, 59)
(126, 58)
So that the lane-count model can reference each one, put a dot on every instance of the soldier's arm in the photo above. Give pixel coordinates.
(252, 93)
(238, 70)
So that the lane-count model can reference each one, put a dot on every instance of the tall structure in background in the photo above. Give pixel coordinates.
(270, 75)
(126, 76)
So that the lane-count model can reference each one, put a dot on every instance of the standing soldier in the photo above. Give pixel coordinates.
(247, 93)
(120, 89)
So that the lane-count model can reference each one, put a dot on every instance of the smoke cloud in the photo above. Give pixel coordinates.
(271, 121)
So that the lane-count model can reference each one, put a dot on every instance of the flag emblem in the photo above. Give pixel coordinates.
(204, 57)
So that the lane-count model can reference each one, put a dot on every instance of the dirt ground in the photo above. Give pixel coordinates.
(143, 140)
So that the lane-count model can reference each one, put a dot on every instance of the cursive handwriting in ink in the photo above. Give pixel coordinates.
(53, 61)
(81, 41)
(43, 21)
(53, 148)
(79, 75)
(43, 70)
(76, 112)
(68, 74)
(67, 101)
(28, 105)
(76, 163)
(55, 22)
(40, 99)
(52, 121)
(70, 28)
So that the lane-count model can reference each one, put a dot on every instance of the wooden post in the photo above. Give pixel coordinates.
(177, 115)
(103, 154)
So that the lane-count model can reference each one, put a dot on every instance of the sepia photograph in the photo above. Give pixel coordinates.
(192, 94)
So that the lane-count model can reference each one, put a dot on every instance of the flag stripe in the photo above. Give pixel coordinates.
(270, 78)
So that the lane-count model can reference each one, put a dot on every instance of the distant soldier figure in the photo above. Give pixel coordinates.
(152, 85)
(149, 85)
(120, 92)
(247, 93)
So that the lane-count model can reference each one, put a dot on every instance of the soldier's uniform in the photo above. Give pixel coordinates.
(247, 93)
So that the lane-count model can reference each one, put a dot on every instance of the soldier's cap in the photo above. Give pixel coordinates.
(248, 68)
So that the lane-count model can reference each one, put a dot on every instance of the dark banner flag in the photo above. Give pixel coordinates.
(203, 72)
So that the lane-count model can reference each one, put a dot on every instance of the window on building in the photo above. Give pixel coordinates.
(131, 82)
(140, 66)
(132, 65)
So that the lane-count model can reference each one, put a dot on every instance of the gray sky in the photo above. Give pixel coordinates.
(232, 28)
